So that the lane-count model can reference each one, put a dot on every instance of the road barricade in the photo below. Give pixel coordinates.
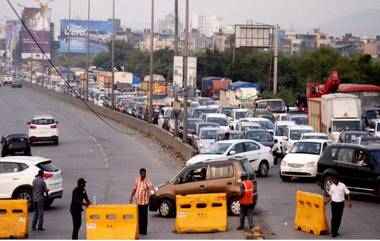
(310, 213)
(116, 221)
(201, 213)
(14, 219)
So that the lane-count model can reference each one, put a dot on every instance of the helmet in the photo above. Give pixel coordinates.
(244, 174)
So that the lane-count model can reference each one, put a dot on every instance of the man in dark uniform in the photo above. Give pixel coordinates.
(79, 194)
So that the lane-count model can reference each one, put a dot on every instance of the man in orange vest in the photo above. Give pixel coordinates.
(246, 201)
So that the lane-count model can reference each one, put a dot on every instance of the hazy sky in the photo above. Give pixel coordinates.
(299, 14)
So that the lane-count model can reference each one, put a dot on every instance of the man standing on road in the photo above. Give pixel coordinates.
(39, 191)
(141, 189)
(246, 201)
(79, 194)
(226, 136)
(276, 151)
(337, 194)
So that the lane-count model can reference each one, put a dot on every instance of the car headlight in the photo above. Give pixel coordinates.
(309, 164)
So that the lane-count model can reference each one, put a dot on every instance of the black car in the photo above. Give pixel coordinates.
(262, 136)
(352, 136)
(15, 145)
(357, 166)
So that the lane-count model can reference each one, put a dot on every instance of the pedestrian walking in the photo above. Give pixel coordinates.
(337, 195)
(276, 151)
(246, 201)
(140, 193)
(79, 199)
(39, 192)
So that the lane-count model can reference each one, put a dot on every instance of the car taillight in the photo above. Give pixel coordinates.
(47, 175)
(33, 127)
(53, 126)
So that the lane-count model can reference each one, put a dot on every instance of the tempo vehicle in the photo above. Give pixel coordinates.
(17, 174)
(43, 128)
(219, 176)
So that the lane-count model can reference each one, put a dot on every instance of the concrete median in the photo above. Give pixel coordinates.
(163, 136)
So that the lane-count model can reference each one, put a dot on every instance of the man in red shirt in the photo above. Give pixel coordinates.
(141, 191)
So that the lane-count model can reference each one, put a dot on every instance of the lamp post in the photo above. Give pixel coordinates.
(150, 113)
(69, 43)
(113, 55)
(88, 46)
(185, 62)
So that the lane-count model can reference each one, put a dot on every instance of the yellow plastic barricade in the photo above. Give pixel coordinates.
(14, 219)
(116, 221)
(310, 213)
(201, 213)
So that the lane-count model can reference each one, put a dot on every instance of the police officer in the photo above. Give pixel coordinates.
(79, 194)
(246, 201)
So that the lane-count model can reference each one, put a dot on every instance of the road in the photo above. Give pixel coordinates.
(110, 161)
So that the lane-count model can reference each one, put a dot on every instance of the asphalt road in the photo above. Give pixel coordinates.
(110, 161)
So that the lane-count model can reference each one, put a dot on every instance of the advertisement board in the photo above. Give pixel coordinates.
(12, 33)
(100, 34)
(178, 71)
(254, 36)
(37, 20)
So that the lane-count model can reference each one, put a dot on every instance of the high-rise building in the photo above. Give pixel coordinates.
(206, 25)
(167, 24)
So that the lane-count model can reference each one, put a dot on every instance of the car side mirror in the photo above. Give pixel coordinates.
(371, 130)
(232, 153)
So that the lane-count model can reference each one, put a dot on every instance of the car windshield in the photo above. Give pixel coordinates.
(233, 136)
(227, 111)
(273, 105)
(280, 130)
(300, 120)
(313, 148)
(43, 121)
(219, 120)
(198, 112)
(376, 156)
(191, 125)
(296, 134)
(48, 166)
(266, 124)
(217, 148)
(307, 137)
(247, 128)
(240, 114)
(354, 137)
(378, 127)
(260, 136)
(340, 126)
(208, 134)
(373, 114)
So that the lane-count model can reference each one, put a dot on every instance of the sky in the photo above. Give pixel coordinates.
(300, 15)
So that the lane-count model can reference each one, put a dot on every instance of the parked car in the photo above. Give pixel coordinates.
(15, 145)
(219, 176)
(302, 159)
(257, 154)
(43, 128)
(357, 166)
(17, 174)
(352, 136)
(262, 136)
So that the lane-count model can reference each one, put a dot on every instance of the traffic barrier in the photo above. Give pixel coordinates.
(14, 219)
(310, 213)
(201, 213)
(117, 221)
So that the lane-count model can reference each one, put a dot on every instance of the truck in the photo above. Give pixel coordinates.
(334, 113)
(211, 86)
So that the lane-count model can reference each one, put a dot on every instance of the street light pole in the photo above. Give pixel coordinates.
(185, 73)
(175, 54)
(113, 55)
(150, 113)
(88, 47)
(69, 43)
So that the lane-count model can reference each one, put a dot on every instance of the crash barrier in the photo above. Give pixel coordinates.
(201, 213)
(310, 213)
(163, 136)
(14, 219)
(116, 221)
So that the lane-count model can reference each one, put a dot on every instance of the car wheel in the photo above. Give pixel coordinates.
(285, 178)
(25, 194)
(234, 206)
(327, 181)
(166, 208)
(48, 202)
(263, 169)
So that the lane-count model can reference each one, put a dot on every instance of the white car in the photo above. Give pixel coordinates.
(220, 119)
(259, 156)
(293, 134)
(302, 159)
(247, 126)
(43, 128)
(236, 115)
(17, 174)
(206, 138)
(279, 130)
(263, 122)
(314, 136)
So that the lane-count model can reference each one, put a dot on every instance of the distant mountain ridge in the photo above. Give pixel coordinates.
(366, 23)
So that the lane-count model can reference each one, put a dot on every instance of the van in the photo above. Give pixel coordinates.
(216, 176)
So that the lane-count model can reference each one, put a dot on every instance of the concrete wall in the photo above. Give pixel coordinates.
(166, 138)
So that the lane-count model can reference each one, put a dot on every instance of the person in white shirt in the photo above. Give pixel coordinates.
(337, 195)
(276, 151)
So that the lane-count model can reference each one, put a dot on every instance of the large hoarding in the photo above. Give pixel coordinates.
(191, 71)
(12, 33)
(37, 20)
(99, 35)
(254, 36)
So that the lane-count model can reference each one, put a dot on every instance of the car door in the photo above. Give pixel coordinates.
(221, 178)
(191, 182)
(365, 176)
(253, 153)
(10, 178)
(344, 164)
(237, 150)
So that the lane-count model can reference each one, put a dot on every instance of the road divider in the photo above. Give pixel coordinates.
(116, 221)
(163, 136)
(14, 219)
(310, 213)
(200, 213)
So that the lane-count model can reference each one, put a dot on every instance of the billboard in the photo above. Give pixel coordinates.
(12, 32)
(191, 71)
(37, 21)
(254, 36)
(100, 33)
